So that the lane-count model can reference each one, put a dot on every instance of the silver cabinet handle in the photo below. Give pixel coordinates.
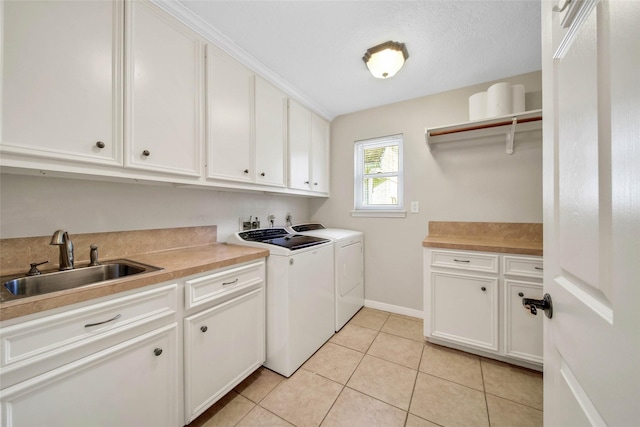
(539, 268)
(229, 283)
(561, 9)
(100, 144)
(461, 260)
(88, 325)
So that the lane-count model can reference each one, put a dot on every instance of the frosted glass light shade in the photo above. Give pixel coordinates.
(386, 59)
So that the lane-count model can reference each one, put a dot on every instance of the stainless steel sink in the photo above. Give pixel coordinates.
(69, 279)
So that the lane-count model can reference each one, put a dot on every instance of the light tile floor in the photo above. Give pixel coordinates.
(378, 371)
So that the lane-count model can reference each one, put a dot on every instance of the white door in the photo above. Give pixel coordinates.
(270, 133)
(299, 146)
(164, 87)
(230, 89)
(319, 154)
(60, 80)
(591, 89)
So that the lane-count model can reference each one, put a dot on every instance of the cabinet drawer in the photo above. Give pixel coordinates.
(473, 261)
(521, 266)
(51, 335)
(216, 287)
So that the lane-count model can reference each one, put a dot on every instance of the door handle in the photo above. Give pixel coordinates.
(543, 304)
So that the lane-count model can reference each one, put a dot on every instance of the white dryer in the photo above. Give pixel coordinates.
(349, 268)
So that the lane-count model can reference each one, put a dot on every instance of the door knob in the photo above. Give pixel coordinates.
(543, 304)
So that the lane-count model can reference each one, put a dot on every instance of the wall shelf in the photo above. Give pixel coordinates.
(504, 125)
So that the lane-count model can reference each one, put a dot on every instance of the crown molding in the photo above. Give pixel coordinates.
(177, 9)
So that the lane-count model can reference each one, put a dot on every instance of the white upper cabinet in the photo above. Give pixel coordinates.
(270, 133)
(61, 80)
(163, 93)
(319, 154)
(229, 118)
(246, 118)
(299, 146)
(308, 150)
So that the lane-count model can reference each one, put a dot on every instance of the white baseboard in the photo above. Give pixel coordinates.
(396, 309)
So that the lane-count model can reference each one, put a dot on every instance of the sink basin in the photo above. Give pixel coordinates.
(69, 279)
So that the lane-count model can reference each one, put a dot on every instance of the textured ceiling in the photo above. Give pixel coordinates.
(317, 46)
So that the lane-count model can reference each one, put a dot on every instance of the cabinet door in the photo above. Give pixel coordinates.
(61, 80)
(229, 118)
(163, 93)
(523, 330)
(130, 384)
(319, 154)
(299, 146)
(270, 130)
(223, 345)
(465, 309)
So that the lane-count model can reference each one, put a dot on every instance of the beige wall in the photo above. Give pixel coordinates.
(37, 206)
(457, 182)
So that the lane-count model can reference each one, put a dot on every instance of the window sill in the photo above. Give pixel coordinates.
(381, 213)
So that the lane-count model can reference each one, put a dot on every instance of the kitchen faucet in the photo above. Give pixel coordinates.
(61, 238)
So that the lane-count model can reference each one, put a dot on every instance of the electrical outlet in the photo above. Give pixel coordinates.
(415, 206)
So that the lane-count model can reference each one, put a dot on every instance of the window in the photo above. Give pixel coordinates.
(378, 177)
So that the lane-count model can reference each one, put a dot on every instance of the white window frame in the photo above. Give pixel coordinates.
(360, 207)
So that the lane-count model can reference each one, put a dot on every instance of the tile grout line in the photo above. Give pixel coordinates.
(484, 389)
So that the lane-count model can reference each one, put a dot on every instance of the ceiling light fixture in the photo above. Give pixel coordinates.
(386, 59)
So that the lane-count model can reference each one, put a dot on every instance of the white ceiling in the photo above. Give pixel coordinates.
(316, 47)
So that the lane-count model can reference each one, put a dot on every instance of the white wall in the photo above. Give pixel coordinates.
(37, 206)
(452, 183)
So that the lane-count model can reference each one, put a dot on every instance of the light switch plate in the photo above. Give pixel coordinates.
(415, 206)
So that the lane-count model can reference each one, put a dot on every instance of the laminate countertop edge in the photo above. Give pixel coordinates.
(175, 264)
(519, 247)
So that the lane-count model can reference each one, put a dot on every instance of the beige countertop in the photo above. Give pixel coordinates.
(513, 238)
(176, 263)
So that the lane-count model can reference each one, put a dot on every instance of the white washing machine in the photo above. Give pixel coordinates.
(299, 296)
(349, 268)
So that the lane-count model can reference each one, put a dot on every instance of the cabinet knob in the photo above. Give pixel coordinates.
(203, 328)
(520, 294)
(146, 153)
(100, 144)
(157, 351)
(484, 289)
(315, 183)
(262, 174)
(306, 182)
(246, 171)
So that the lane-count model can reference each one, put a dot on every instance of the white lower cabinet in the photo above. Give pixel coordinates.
(473, 304)
(111, 362)
(523, 331)
(466, 309)
(224, 340)
(122, 360)
(132, 383)
(223, 345)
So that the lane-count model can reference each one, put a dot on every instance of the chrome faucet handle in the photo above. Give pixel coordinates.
(33, 271)
(93, 256)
